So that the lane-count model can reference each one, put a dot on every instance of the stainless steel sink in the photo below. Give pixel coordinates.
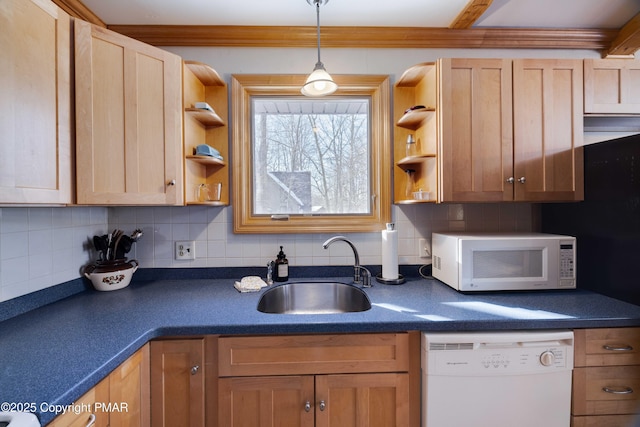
(314, 298)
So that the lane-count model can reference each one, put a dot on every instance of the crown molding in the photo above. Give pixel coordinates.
(76, 9)
(369, 37)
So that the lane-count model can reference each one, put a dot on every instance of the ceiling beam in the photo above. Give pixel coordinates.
(369, 37)
(470, 14)
(627, 41)
(77, 9)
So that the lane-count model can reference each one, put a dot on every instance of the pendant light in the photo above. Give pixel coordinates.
(319, 82)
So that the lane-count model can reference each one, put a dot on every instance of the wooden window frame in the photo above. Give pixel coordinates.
(377, 88)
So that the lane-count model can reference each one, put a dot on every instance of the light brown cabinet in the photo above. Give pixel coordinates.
(319, 380)
(511, 130)
(35, 105)
(128, 120)
(611, 86)
(178, 382)
(606, 377)
(201, 83)
(121, 399)
(492, 130)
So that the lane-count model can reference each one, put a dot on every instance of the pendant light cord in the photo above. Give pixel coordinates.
(317, 2)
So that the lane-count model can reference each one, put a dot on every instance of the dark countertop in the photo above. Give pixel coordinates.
(54, 354)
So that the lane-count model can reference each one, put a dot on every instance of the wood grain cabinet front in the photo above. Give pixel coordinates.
(119, 400)
(611, 86)
(35, 103)
(606, 377)
(319, 380)
(128, 120)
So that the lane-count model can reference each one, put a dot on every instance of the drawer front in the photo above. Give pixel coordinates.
(606, 390)
(605, 421)
(313, 354)
(607, 346)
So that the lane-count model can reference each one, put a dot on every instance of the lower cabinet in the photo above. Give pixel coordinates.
(318, 380)
(121, 399)
(606, 378)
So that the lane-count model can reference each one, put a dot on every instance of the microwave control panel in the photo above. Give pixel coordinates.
(567, 264)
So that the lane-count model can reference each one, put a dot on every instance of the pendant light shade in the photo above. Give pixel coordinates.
(319, 82)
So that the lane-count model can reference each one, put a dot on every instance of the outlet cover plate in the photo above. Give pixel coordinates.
(185, 250)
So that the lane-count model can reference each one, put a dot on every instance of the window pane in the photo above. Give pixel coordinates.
(311, 156)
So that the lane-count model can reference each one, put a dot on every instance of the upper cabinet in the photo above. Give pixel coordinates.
(205, 123)
(611, 86)
(506, 130)
(128, 120)
(35, 105)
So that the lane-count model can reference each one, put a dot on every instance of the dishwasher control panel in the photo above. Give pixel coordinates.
(504, 353)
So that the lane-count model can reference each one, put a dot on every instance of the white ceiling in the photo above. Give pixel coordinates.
(611, 14)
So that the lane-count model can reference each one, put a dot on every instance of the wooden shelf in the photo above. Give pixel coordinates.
(206, 160)
(413, 201)
(206, 117)
(216, 203)
(415, 74)
(414, 119)
(412, 160)
(207, 75)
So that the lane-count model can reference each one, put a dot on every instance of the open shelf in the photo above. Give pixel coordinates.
(414, 119)
(206, 117)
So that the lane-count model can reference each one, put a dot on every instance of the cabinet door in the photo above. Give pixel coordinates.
(611, 86)
(129, 391)
(547, 116)
(35, 108)
(475, 146)
(267, 401)
(128, 120)
(177, 383)
(88, 414)
(372, 400)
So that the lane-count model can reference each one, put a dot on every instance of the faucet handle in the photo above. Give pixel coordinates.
(365, 277)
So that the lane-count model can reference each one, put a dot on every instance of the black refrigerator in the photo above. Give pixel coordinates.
(607, 223)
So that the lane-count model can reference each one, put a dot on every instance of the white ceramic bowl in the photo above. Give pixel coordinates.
(111, 275)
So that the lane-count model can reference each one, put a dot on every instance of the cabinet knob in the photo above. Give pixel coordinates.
(521, 180)
(194, 369)
(617, 390)
(172, 182)
(307, 406)
(510, 180)
(322, 405)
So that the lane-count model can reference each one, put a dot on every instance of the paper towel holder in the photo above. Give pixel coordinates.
(400, 280)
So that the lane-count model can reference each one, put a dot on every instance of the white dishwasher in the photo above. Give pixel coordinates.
(497, 379)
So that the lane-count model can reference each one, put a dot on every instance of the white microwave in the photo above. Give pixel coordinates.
(499, 262)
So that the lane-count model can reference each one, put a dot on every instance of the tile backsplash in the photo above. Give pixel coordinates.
(41, 247)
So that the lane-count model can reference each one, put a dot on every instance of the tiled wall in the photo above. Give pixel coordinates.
(217, 246)
(41, 247)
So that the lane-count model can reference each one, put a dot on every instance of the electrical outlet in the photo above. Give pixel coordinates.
(424, 248)
(185, 250)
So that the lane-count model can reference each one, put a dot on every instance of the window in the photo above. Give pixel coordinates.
(305, 165)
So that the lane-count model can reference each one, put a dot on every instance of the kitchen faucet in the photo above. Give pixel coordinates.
(365, 278)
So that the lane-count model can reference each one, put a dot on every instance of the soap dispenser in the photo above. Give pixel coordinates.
(281, 267)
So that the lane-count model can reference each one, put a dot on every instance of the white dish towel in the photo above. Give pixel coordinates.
(250, 284)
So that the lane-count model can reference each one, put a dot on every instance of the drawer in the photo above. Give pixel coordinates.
(312, 354)
(607, 346)
(606, 390)
(605, 421)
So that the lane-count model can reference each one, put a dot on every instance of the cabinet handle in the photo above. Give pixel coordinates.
(510, 180)
(194, 369)
(307, 406)
(521, 180)
(617, 347)
(322, 405)
(92, 420)
(171, 183)
(617, 390)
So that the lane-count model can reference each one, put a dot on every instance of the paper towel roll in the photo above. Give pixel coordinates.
(390, 254)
